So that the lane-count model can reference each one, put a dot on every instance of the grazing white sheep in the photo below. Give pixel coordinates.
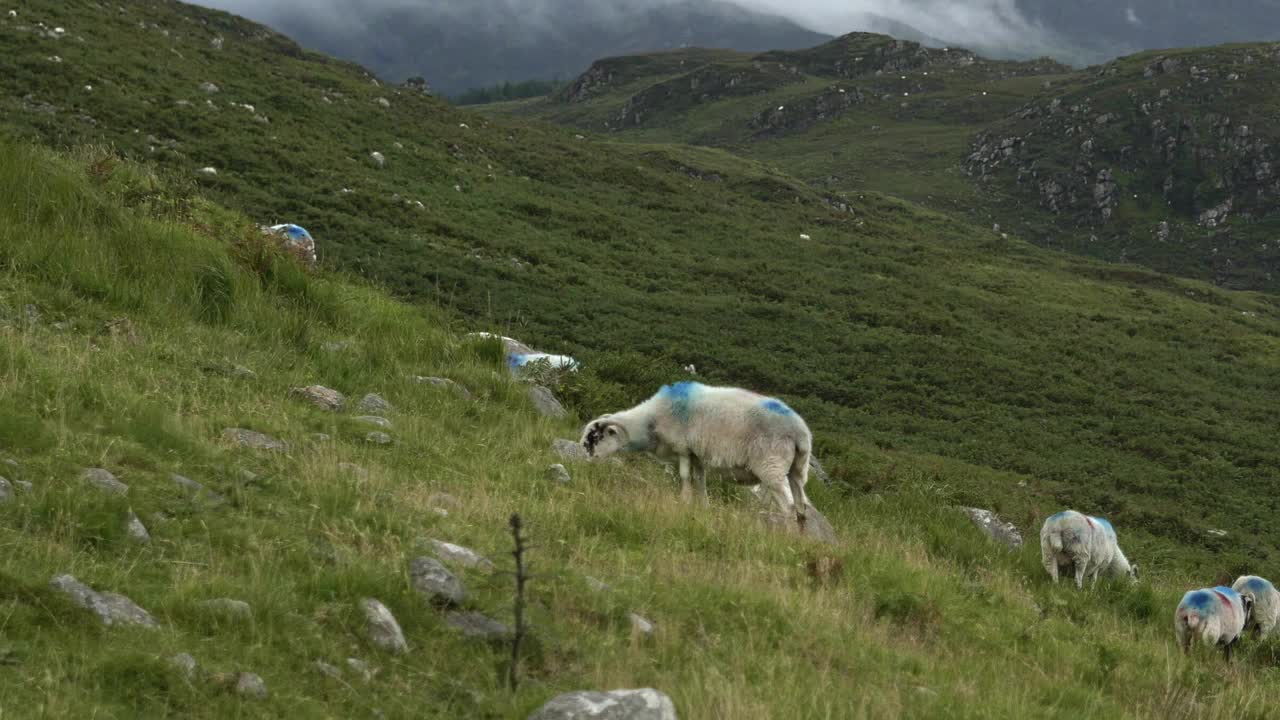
(714, 427)
(1266, 602)
(1086, 545)
(1216, 615)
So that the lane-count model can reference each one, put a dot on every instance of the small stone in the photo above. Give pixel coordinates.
(433, 580)
(6, 491)
(361, 668)
(242, 372)
(374, 420)
(23, 485)
(378, 159)
(557, 474)
(384, 631)
(320, 437)
(216, 43)
(373, 403)
(327, 670)
(185, 664)
(443, 500)
(476, 625)
(569, 449)
(135, 529)
(641, 626)
(337, 346)
(196, 491)
(378, 438)
(10, 462)
(459, 555)
(595, 584)
(208, 170)
(442, 383)
(105, 481)
(642, 704)
(111, 608)
(545, 402)
(253, 440)
(227, 607)
(321, 396)
(209, 88)
(250, 685)
(999, 531)
(384, 102)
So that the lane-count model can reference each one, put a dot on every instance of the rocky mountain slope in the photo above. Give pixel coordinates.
(458, 46)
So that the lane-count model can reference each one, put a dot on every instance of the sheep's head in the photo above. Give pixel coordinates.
(1133, 572)
(603, 437)
(1248, 610)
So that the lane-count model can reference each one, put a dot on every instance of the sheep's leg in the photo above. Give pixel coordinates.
(686, 489)
(700, 480)
(1082, 565)
(1226, 649)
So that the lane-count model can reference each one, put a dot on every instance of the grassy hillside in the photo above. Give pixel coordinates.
(1060, 381)
(1091, 162)
(927, 619)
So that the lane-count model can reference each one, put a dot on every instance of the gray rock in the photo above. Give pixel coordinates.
(374, 403)
(240, 371)
(440, 382)
(6, 491)
(595, 584)
(135, 529)
(24, 486)
(320, 437)
(379, 160)
(642, 704)
(185, 664)
(545, 402)
(227, 607)
(430, 578)
(111, 608)
(251, 686)
(321, 396)
(253, 440)
(443, 501)
(11, 463)
(378, 438)
(374, 420)
(476, 625)
(105, 481)
(569, 449)
(557, 474)
(326, 669)
(641, 625)
(999, 531)
(337, 346)
(458, 555)
(361, 668)
(209, 88)
(384, 631)
(197, 491)
(816, 525)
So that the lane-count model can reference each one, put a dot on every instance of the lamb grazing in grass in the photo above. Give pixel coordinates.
(714, 427)
(1217, 615)
(1266, 602)
(1086, 545)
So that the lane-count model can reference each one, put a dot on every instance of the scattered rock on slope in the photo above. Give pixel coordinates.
(998, 530)
(435, 582)
(111, 608)
(135, 529)
(558, 474)
(440, 382)
(459, 555)
(642, 704)
(384, 631)
(321, 396)
(476, 625)
(6, 491)
(197, 491)
(105, 481)
(373, 403)
(253, 440)
(545, 402)
(569, 449)
(227, 607)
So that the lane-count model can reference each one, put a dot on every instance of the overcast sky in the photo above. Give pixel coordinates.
(988, 23)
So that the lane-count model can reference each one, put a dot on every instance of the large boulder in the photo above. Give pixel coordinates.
(545, 402)
(642, 704)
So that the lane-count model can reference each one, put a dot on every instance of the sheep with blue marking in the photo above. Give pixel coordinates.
(1084, 546)
(714, 427)
(1266, 602)
(1218, 616)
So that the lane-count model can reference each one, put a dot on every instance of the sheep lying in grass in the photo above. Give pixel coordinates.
(714, 427)
(1086, 545)
(1217, 616)
(1266, 602)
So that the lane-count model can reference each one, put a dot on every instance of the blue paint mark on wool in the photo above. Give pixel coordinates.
(1104, 523)
(1059, 516)
(1257, 585)
(1200, 600)
(777, 406)
(681, 396)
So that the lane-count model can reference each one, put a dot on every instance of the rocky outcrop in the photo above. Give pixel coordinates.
(642, 704)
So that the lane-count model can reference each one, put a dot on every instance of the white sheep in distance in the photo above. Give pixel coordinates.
(714, 427)
(1087, 545)
(1217, 615)
(1266, 602)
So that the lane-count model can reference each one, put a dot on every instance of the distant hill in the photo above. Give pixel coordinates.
(486, 42)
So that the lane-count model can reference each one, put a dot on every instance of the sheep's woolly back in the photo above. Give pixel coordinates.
(721, 426)
(1070, 535)
(1215, 615)
(1266, 601)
